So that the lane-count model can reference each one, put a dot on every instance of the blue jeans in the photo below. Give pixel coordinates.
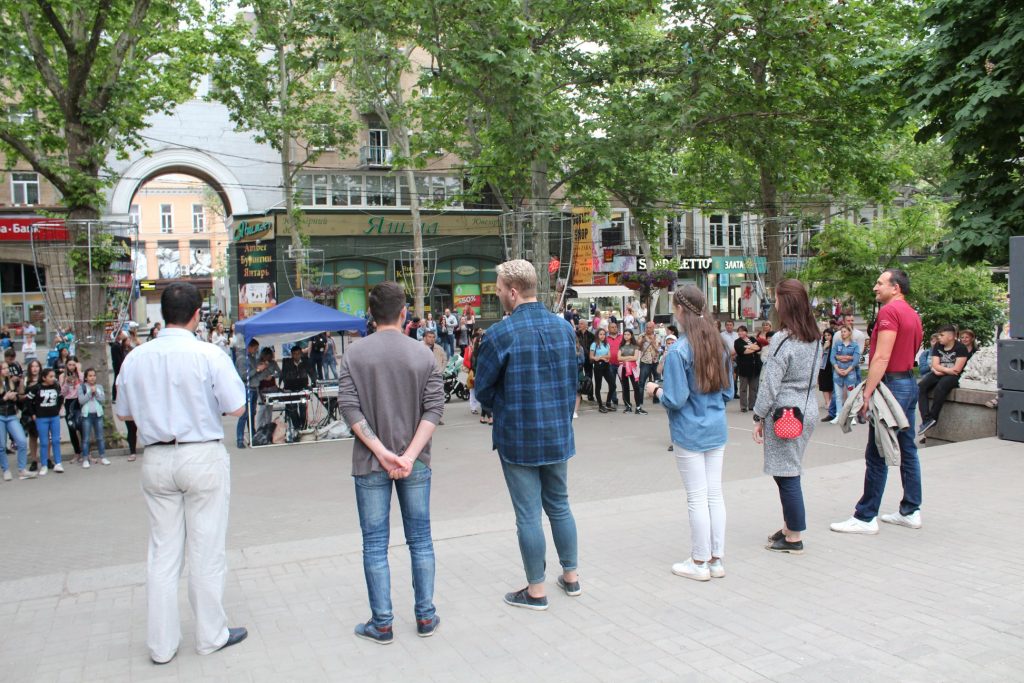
(532, 489)
(249, 416)
(647, 372)
(905, 392)
(373, 500)
(93, 424)
(49, 437)
(10, 425)
(792, 497)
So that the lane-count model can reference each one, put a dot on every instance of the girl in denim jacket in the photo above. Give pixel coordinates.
(845, 366)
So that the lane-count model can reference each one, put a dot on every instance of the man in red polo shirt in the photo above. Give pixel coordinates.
(895, 340)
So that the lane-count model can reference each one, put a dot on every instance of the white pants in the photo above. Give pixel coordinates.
(702, 477)
(473, 403)
(187, 489)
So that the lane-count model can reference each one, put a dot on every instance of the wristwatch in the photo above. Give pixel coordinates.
(757, 418)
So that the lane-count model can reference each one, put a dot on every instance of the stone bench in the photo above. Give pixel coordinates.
(964, 417)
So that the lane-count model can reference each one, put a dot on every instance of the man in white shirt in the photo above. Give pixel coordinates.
(175, 389)
(729, 336)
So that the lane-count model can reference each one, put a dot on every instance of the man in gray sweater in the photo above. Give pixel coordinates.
(391, 394)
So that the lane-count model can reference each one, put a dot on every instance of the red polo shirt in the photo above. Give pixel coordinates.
(899, 317)
(613, 345)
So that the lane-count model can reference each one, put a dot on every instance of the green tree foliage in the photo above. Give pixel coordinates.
(783, 100)
(849, 256)
(966, 81)
(84, 75)
(277, 81)
(962, 295)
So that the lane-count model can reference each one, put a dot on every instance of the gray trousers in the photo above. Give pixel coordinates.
(748, 391)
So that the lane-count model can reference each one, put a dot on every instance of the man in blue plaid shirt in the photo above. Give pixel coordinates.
(526, 376)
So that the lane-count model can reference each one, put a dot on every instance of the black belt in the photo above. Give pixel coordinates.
(181, 443)
(897, 375)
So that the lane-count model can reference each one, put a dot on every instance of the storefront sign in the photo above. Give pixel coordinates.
(695, 264)
(257, 276)
(22, 229)
(582, 247)
(467, 295)
(253, 230)
(750, 303)
(384, 225)
(739, 264)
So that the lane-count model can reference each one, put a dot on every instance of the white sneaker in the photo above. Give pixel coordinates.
(25, 474)
(7, 475)
(692, 570)
(855, 526)
(912, 521)
(42, 471)
(104, 461)
(834, 421)
(717, 569)
(85, 464)
(575, 416)
(58, 468)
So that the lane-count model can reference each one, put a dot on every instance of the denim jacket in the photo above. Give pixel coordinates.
(841, 349)
(696, 421)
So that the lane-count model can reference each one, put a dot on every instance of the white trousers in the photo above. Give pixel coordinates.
(473, 403)
(702, 478)
(187, 489)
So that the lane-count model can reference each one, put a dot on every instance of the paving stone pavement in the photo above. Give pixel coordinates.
(944, 603)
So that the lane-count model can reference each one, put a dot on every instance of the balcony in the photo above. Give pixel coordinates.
(371, 156)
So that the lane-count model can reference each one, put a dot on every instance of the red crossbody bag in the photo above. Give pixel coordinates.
(788, 421)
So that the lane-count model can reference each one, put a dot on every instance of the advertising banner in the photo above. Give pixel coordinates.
(21, 229)
(467, 295)
(750, 303)
(582, 247)
(257, 277)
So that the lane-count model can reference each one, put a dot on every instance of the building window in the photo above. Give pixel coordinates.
(615, 234)
(790, 240)
(342, 189)
(166, 218)
(735, 232)
(379, 151)
(24, 188)
(380, 190)
(717, 237)
(675, 229)
(198, 218)
(135, 215)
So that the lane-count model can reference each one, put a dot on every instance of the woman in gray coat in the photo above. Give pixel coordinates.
(791, 365)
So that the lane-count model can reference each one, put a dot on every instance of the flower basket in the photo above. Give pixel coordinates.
(632, 284)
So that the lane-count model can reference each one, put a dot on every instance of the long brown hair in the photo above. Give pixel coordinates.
(795, 310)
(709, 352)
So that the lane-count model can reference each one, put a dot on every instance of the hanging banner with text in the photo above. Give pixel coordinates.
(582, 247)
(257, 277)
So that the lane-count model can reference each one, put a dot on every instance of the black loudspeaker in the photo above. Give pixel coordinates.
(1010, 420)
(1017, 287)
(1010, 364)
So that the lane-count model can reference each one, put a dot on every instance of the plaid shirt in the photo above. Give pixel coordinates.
(526, 375)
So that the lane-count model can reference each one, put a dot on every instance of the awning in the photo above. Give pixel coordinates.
(597, 291)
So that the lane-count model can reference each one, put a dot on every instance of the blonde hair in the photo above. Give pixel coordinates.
(520, 275)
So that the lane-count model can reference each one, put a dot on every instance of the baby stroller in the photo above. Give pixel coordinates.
(453, 384)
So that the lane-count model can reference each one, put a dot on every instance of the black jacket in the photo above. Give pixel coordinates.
(44, 401)
(296, 377)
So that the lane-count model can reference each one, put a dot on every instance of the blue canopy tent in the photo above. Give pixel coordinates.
(296, 319)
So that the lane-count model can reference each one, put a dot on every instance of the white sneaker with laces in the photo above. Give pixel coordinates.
(7, 475)
(717, 569)
(104, 461)
(834, 421)
(911, 521)
(42, 471)
(85, 464)
(59, 468)
(25, 474)
(691, 570)
(855, 526)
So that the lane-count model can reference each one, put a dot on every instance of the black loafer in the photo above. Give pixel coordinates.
(784, 546)
(777, 536)
(235, 636)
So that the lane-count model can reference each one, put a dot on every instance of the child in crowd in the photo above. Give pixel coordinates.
(90, 400)
(45, 400)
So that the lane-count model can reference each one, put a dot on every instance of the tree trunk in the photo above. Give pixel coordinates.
(286, 166)
(772, 237)
(401, 135)
(540, 206)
